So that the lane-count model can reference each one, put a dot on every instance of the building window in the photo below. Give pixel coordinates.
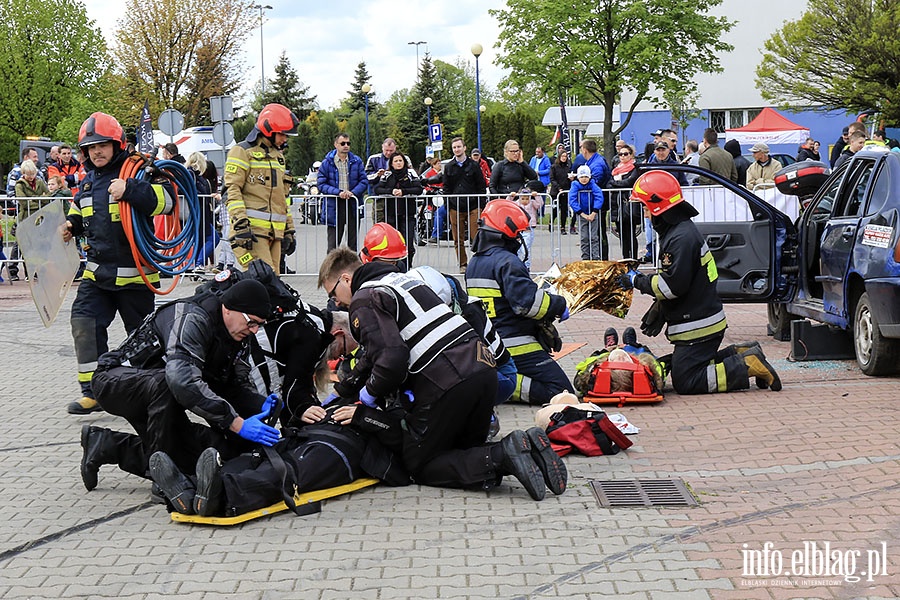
(731, 119)
(717, 120)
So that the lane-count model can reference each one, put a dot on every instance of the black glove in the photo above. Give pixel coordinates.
(548, 336)
(70, 180)
(242, 236)
(653, 320)
(288, 243)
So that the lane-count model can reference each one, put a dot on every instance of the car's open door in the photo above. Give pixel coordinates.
(752, 241)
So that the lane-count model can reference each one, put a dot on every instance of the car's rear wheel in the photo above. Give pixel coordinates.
(780, 321)
(875, 354)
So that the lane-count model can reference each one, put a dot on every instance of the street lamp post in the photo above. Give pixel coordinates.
(262, 69)
(366, 88)
(428, 103)
(477, 49)
(416, 44)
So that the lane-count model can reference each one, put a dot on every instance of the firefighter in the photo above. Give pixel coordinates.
(518, 308)
(258, 190)
(111, 282)
(446, 379)
(384, 243)
(685, 289)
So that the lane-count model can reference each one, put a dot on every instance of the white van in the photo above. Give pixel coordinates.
(196, 139)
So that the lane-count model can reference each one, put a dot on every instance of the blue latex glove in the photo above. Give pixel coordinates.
(409, 396)
(256, 431)
(366, 398)
(565, 315)
(626, 281)
(331, 398)
(269, 403)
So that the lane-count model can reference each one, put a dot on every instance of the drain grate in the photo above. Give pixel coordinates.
(642, 492)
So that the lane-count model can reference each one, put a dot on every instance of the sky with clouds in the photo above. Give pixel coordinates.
(325, 41)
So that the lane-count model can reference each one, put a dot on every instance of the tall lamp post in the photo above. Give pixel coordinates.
(366, 89)
(416, 44)
(477, 49)
(262, 69)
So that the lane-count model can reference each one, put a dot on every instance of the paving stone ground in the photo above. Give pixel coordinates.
(816, 463)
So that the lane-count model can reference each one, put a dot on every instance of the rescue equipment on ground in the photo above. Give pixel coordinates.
(308, 502)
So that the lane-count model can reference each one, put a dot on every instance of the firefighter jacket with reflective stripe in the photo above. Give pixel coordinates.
(203, 363)
(258, 189)
(511, 299)
(403, 326)
(685, 283)
(95, 215)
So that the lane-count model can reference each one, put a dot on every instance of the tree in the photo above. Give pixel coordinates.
(842, 54)
(328, 128)
(601, 49)
(682, 104)
(44, 72)
(181, 52)
(287, 89)
(413, 120)
(356, 101)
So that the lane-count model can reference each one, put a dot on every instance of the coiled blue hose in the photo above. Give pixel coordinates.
(151, 247)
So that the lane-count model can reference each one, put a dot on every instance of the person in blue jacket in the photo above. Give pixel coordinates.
(586, 200)
(342, 178)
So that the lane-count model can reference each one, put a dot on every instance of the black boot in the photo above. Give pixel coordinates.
(99, 448)
(174, 484)
(210, 494)
(548, 461)
(517, 461)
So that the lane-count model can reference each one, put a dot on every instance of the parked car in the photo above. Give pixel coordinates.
(838, 264)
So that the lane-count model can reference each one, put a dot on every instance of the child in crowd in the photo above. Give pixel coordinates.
(531, 199)
(586, 200)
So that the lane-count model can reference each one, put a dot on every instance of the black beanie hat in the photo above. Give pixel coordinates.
(248, 296)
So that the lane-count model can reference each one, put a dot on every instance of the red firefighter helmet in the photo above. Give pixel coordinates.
(101, 127)
(277, 118)
(658, 191)
(505, 216)
(382, 242)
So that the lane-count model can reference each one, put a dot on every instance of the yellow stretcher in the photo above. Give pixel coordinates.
(308, 503)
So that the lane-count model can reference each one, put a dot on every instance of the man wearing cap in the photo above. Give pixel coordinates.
(716, 159)
(764, 168)
(190, 354)
(484, 164)
(648, 149)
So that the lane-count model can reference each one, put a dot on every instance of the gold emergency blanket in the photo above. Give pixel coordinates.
(591, 284)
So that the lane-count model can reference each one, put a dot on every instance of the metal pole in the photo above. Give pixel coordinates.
(478, 104)
(367, 125)
(416, 44)
(262, 66)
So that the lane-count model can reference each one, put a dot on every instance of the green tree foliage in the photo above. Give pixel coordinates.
(328, 128)
(683, 106)
(356, 101)
(598, 50)
(287, 89)
(52, 53)
(842, 54)
(181, 52)
(413, 119)
(301, 151)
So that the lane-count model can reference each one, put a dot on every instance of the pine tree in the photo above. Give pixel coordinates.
(356, 102)
(287, 89)
(414, 121)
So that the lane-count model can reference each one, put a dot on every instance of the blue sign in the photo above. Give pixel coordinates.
(435, 132)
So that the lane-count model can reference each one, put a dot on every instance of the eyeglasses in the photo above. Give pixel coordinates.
(624, 153)
(344, 143)
(334, 289)
(516, 150)
(252, 323)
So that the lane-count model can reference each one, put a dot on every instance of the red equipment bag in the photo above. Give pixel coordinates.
(802, 178)
(589, 432)
(643, 388)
